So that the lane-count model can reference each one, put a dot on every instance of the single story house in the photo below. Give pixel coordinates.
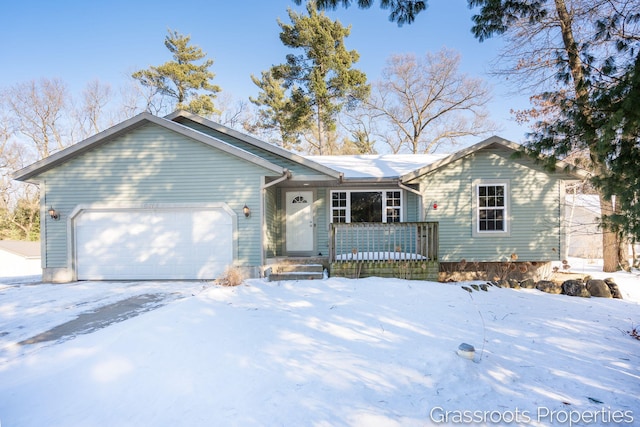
(18, 258)
(182, 197)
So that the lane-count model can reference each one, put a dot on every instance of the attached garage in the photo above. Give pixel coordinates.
(159, 198)
(153, 243)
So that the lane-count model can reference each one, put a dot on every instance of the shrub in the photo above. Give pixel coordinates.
(232, 277)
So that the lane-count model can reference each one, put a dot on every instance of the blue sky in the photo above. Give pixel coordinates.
(80, 41)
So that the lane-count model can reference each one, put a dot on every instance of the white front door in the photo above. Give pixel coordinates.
(299, 221)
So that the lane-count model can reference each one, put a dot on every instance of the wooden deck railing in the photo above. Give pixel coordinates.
(367, 241)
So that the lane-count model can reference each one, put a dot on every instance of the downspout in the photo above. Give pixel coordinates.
(419, 194)
(286, 174)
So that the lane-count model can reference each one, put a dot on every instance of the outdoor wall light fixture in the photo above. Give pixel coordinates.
(246, 211)
(54, 213)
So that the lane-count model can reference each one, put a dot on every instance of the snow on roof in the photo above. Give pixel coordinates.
(377, 165)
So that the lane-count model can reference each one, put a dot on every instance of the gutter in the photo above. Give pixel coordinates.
(286, 174)
(419, 194)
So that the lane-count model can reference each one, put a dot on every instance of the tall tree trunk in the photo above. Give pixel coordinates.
(573, 53)
(609, 240)
(320, 131)
(623, 253)
(581, 88)
(623, 245)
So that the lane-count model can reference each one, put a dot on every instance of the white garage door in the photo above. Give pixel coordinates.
(185, 243)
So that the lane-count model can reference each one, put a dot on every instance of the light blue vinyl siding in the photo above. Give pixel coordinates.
(535, 232)
(294, 167)
(272, 222)
(412, 206)
(152, 165)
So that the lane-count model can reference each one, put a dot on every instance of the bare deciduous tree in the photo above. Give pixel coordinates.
(92, 115)
(19, 203)
(37, 112)
(231, 112)
(427, 101)
(361, 126)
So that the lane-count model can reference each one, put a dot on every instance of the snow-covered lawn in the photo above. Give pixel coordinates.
(336, 352)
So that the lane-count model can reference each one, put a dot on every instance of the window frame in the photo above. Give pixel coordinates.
(388, 211)
(506, 208)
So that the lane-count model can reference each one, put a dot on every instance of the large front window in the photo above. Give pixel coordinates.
(366, 206)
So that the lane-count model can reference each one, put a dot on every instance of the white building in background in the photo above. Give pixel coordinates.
(19, 258)
(584, 239)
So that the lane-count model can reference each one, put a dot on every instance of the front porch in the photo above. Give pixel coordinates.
(407, 250)
(308, 229)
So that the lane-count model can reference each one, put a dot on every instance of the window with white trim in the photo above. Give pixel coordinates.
(491, 202)
(366, 206)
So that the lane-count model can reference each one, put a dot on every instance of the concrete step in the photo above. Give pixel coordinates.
(297, 275)
(298, 268)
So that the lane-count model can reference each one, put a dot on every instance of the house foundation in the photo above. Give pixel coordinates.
(411, 270)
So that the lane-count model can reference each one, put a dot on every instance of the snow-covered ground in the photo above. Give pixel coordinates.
(336, 352)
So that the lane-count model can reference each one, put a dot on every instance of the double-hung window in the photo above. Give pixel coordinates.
(491, 208)
(366, 206)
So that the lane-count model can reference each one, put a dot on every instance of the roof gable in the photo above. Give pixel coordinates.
(129, 125)
(489, 143)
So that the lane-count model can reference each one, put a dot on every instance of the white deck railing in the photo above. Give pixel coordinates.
(367, 241)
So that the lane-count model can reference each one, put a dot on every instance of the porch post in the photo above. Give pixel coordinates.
(286, 174)
(263, 224)
(421, 216)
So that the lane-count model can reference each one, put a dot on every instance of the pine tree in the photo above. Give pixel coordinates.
(281, 113)
(317, 84)
(401, 11)
(189, 84)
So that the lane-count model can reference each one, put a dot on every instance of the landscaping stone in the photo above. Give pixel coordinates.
(528, 284)
(613, 287)
(598, 288)
(502, 283)
(575, 288)
(549, 287)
